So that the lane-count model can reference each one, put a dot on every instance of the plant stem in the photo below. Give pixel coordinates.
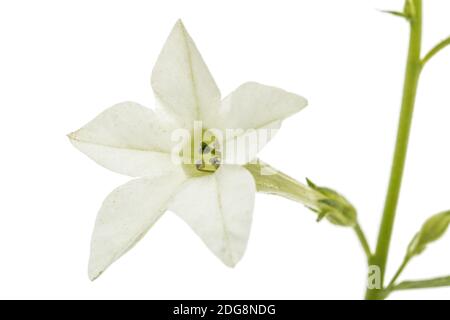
(423, 284)
(441, 45)
(398, 273)
(363, 240)
(413, 68)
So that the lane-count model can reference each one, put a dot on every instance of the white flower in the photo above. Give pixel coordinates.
(217, 202)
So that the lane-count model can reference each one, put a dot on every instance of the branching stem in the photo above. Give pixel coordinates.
(413, 69)
(441, 45)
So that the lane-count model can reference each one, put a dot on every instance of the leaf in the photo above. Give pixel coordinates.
(321, 215)
(423, 284)
(311, 184)
(397, 14)
(432, 230)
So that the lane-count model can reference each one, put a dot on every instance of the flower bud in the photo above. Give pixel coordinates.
(433, 229)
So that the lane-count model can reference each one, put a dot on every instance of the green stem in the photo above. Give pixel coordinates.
(363, 240)
(413, 69)
(423, 284)
(441, 45)
(398, 273)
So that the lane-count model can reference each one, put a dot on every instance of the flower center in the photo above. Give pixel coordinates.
(208, 155)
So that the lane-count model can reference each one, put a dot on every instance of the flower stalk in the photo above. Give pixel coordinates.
(441, 45)
(413, 9)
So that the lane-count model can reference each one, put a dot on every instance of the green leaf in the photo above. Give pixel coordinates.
(321, 215)
(423, 284)
(433, 229)
(311, 184)
(397, 14)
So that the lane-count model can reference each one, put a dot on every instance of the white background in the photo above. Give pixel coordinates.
(63, 62)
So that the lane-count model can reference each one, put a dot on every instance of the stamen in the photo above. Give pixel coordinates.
(210, 156)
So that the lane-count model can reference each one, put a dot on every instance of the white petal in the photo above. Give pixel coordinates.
(254, 108)
(128, 138)
(219, 208)
(126, 215)
(242, 146)
(253, 105)
(182, 82)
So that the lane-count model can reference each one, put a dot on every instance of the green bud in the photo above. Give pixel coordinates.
(333, 206)
(433, 229)
(410, 8)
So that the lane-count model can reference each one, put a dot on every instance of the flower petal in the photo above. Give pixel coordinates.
(257, 110)
(182, 82)
(242, 146)
(128, 138)
(126, 215)
(253, 106)
(219, 208)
